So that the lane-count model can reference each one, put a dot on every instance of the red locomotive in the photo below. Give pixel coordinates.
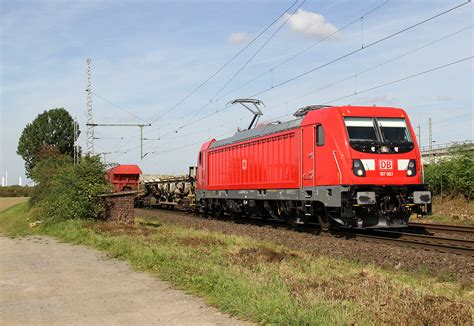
(350, 166)
(124, 177)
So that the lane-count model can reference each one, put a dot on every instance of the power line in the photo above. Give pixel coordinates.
(371, 44)
(401, 79)
(283, 62)
(258, 51)
(335, 60)
(363, 91)
(307, 48)
(360, 49)
(158, 117)
(247, 62)
(352, 76)
(224, 65)
(187, 135)
(458, 117)
(185, 146)
(118, 106)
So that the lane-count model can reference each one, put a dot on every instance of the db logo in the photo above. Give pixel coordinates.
(386, 164)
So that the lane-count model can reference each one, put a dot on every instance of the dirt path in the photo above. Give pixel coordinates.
(46, 282)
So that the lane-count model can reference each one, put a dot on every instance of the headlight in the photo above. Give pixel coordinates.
(358, 168)
(411, 168)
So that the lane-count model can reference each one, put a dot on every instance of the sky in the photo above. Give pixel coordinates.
(148, 57)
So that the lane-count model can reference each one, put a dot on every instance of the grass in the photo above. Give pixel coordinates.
(450, 211)
(14, 220)
(262, 282)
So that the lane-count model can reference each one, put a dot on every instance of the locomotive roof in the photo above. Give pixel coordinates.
(264, 130)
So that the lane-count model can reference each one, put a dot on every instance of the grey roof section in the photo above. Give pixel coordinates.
(264, 130)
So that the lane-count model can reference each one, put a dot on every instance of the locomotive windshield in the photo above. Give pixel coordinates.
(361, 129)
(381, 135)
(394, 130)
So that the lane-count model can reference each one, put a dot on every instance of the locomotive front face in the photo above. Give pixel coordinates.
(386, 175)
(382, 151)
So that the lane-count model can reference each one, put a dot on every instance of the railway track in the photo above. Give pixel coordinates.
(413, 240)
(420, 241)
(443, 228)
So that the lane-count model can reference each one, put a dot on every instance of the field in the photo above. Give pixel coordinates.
(6, 202)
(261, 281)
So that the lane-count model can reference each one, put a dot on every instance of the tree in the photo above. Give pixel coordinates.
(53, 128)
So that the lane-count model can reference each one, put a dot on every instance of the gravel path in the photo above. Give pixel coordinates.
(44, 282)
(387, 256)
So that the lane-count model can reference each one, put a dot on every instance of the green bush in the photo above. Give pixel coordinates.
(454, 176)
(49, 164)
(71, 192)
(16, 191)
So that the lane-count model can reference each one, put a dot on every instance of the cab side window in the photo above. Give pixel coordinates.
(200, 158)
(319, 135)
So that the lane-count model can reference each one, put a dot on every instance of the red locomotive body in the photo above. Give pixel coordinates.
(124, 177)
(350, 166)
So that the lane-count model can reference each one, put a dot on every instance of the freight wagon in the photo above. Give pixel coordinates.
(124, 177)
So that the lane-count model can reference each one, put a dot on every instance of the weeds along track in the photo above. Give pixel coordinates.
(426, 241)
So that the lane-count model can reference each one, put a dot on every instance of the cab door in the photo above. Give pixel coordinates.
(307, 134)
(201, 171)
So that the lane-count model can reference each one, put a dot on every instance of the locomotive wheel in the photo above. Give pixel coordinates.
(324, 223)
(218, 213)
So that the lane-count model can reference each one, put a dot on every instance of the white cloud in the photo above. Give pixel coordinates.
(310, 24)
(238, 38)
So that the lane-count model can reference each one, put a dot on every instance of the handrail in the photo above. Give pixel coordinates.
(338, 168)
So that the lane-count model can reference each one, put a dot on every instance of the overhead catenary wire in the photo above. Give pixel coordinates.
(213, 99)
(295, 55)
(371, 44)
(118, 106)
(360, 49)
(400, 79)
(378, 65)
(364, 71)
(185, 146)
(242, 67)
(259, 50)
(335, 60)
(388, 83)
(350, 95)
(160, 116)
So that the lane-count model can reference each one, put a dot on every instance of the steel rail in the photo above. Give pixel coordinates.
(444, 228)
(428, 238)
(445, 248)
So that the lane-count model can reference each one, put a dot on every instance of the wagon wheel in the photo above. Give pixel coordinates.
(324, 222)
